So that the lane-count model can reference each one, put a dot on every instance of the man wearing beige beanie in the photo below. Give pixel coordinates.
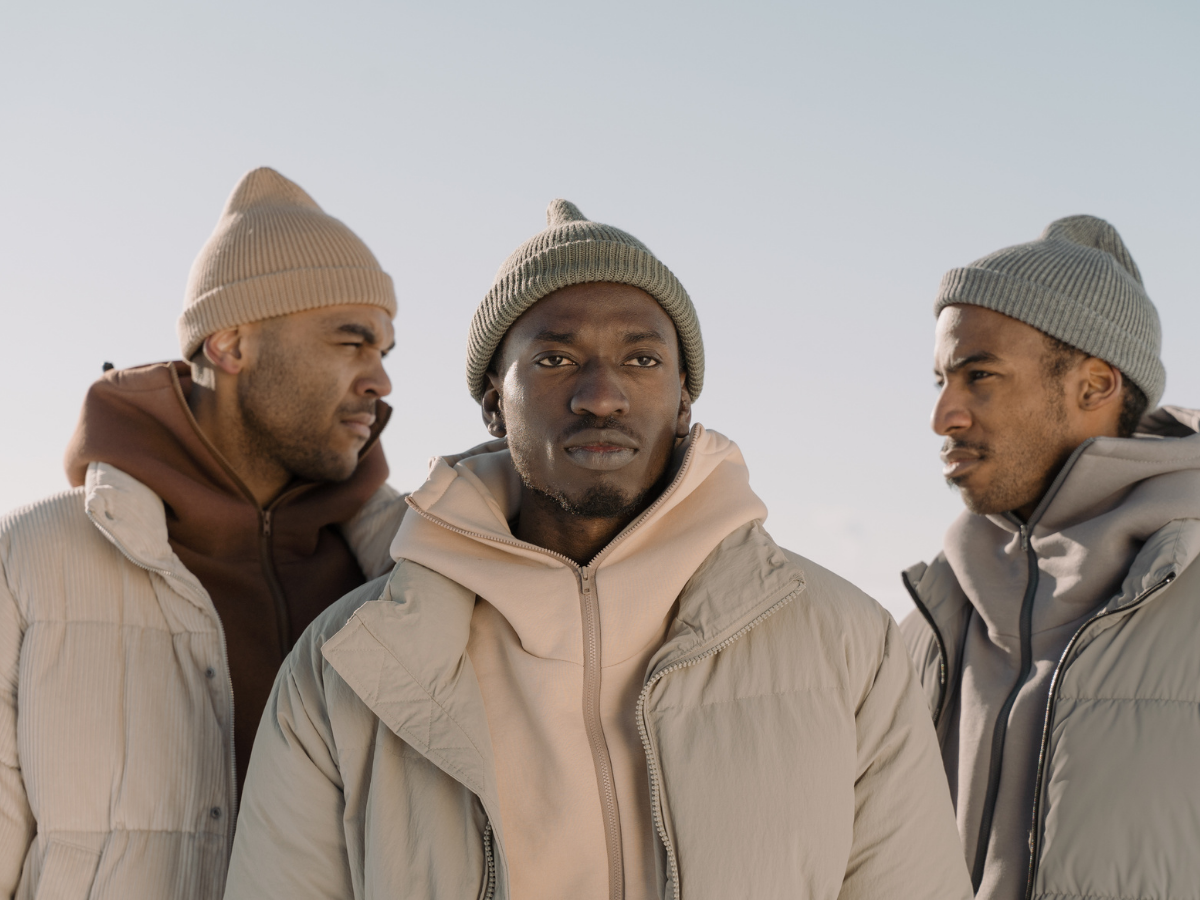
(1055, 635)
(592, 673)
(220, 503)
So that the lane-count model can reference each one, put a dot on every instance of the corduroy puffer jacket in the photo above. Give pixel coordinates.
(116, 709)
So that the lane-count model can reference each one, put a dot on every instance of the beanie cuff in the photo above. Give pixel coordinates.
(1058, 315)
(580, 262)
(279, 294)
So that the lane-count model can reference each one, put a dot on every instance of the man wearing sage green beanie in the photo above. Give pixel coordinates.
(593, 674)
(1055, 634)
(220, 502)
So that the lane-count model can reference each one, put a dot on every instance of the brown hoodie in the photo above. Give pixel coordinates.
(561, 652)
(268, 571)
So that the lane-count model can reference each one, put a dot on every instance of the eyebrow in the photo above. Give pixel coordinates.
(364, 332)
(637, 337)
(556, 337)
(963, 362)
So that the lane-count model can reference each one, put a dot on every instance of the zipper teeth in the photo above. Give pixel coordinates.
(644, 731)
(164, 573)
(489, 858)
(1055, 683)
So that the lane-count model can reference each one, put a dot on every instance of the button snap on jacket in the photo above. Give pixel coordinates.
(210, 672)
(215, 812)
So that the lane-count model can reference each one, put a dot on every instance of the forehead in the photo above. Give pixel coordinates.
(970, 330)
(593, 311)
(331, 318)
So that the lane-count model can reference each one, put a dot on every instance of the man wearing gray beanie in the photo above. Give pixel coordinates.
(593, 674)
(1055, 634)
(219, 503)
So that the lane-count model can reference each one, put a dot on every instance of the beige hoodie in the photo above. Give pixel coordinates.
(1110, 497)
(561, 652)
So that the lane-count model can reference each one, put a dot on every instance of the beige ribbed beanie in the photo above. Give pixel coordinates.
(574, 250)
(274, 252)
(1077, 283)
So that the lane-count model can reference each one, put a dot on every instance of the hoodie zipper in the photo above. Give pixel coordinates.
(165, 574)
(1055, 684)
(1000, 728)
(656, 789)
(589, 602)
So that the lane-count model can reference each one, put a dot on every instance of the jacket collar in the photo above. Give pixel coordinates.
(131, 516)
(404, 655)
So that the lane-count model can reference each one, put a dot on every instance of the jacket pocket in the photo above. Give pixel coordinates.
(68, 871)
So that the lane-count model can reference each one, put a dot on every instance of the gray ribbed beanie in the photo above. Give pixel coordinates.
(274, 252)
(574, 250)
(1077, 283)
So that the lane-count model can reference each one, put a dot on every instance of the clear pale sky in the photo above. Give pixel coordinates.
(809, 171)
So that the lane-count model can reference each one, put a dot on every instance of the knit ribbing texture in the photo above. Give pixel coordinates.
(1077, 283)
(274, 252)
(575, 250)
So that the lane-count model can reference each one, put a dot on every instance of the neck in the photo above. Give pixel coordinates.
(219, 418)
(544, 523)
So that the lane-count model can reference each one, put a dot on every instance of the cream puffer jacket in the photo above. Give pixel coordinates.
(789, 749)
(116, 746)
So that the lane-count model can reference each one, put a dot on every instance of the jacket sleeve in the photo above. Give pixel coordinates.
(371, 531)
(290, 843)
(16, 818)
(906, 842)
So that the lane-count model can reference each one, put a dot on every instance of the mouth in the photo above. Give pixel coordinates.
(958, 464)
(601, 450)
(359, 425)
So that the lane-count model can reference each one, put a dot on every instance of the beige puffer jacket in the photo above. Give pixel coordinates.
(116, 749)
(789, 750)
(1111, 804)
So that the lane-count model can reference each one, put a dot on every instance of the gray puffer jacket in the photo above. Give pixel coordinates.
(1095, 603)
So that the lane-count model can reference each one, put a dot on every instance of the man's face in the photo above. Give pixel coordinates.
(308, 395)
(589, 390)
(1004, 418)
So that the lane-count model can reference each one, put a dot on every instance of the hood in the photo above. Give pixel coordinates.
(1094, 532)
(138, 421)
(462, 532)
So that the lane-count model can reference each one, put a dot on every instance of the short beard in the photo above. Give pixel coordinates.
(1025, 464)
(601, 501)
(276, 412)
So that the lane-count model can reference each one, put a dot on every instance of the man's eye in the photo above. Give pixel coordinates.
(644, 362)
(553, 362)
(976, 375)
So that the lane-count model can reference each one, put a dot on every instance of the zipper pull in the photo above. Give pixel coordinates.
(1024, 537)
(585, 576)
(266, 523)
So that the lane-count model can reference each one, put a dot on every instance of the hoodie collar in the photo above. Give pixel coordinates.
(1120, 514)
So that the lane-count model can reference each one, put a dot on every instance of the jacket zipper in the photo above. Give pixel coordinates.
(941, 643)
(590, 607)
(656, 792)
(165, 574)
(1055, 683)
(1000, 728)
(489, 862)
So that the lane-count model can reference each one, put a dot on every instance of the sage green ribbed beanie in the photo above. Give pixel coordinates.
(275, 252)
(1077, 283)
(575, 250)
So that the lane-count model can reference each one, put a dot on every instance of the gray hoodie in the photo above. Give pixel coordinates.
(1011, 598)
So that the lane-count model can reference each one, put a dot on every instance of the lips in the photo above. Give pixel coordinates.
(359, 424)
(601, 449)
(958, 461)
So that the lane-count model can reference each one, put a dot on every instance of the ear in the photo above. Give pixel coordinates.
(683, 421)
(224, 350)
(1100, 385)
(492, 407)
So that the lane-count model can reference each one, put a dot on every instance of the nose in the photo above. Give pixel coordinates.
(375, 383)
(598, 393)
(950, 413)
